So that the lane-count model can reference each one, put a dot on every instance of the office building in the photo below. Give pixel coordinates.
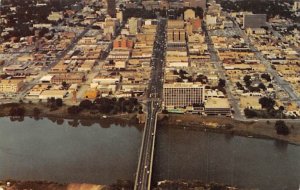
(181, 95)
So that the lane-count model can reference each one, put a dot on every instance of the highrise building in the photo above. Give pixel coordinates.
(179, 95)
(111, 8)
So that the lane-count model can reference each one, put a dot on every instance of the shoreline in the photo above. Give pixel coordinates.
(221, 125)
(121, 184)
(224, 125)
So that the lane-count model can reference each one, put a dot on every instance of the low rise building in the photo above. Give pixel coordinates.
(217, 106)
(70, 78)
(53, 94)
(10, 85)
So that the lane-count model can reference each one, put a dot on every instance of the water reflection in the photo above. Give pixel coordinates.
(49, 149)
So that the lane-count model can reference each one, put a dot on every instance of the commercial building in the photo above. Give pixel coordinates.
(134, 25)
(55, 16)
(296, 6)
(10, 85)
(53, 94)
(70, 78)
(123, 43)
(189, 14)
(254, 20)
(217, 106)
(180, 95)
(176, 35)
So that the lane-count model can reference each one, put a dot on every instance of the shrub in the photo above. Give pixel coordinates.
(281, 128)
(250, 113)
(17, 111)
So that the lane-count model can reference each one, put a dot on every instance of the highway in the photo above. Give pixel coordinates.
(154, 95)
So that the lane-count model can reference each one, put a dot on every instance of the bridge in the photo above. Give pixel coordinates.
(154, 94)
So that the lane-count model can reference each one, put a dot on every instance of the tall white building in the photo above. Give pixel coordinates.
(180, 95)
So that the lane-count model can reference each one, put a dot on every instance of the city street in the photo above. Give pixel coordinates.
(154, 95)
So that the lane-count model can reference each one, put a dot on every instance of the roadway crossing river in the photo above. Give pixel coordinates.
(154, 94)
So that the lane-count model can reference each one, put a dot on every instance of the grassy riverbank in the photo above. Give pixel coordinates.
(42, 110)
(45, 185)
(257, 129)
(124, 185)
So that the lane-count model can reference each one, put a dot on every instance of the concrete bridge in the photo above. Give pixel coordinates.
(153, 105)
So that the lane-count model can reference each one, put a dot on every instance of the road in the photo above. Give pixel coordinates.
(58, 58)
(221, 73)
(154, 95)
(282, 83)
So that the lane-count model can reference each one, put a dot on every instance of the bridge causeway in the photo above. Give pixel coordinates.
(154, 95)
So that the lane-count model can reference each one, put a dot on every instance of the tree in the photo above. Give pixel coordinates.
(105, 105)
(74, 110)
(51, 102)
(266, 76)
(239, 85)
(64, 84)
(262, 86)
(199, 12)
(17, 111)
(85, 104)
(58, 102)
(267, 103)
(202, 79)
(281, 128)
(249, 113)
(270, 85)
(247, 80)
(221, 83)
(281, 108)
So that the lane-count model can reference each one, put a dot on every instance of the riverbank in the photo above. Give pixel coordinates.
(256, 129)
(163, 185)
(40, 110)
(251, 129)
(191, 185)
(45, 185)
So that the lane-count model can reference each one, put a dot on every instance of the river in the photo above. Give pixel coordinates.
(233, 160)
(102, 153)
(43, 150)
